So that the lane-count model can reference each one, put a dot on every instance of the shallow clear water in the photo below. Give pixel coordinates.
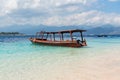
(22, 60)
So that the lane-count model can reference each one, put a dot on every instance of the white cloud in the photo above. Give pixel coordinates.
(90, 18)
(54, 13)
(29, 3)
(7, 6)
(113, 0)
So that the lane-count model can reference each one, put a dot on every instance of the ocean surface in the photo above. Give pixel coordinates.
(22, 60)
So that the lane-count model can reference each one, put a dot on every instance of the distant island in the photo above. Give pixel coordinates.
(11, 34)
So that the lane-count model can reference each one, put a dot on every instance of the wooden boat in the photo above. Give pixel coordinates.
(58, 39)
(102, 35)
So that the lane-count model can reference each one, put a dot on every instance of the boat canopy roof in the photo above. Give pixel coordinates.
(64, 31)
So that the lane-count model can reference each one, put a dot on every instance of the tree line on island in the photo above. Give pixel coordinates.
(11, 34)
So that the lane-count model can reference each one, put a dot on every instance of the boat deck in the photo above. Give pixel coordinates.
(51, 41)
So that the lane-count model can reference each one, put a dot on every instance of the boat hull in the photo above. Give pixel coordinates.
(57, 43)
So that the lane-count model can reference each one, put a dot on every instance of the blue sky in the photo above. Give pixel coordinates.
(59, 12)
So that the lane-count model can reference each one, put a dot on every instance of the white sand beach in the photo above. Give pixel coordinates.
(104, 66)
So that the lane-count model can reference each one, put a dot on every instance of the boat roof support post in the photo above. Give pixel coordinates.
(71, 36)
(54, 36)
(81, 36)
(47, 36)
(42, 35)
(51, 37)
(62, 36)
(36, 34)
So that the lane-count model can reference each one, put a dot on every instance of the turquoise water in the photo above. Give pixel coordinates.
(19, 58)
(13, 45)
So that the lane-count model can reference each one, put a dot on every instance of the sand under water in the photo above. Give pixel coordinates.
(22, 60)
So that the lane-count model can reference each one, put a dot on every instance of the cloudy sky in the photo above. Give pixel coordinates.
(59, 12)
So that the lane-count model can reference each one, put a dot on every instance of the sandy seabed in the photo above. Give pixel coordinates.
(58, 67)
